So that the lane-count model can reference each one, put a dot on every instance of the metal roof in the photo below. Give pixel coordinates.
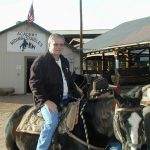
(20, 23)
(129, 33)
(74, 32)
(84, 40)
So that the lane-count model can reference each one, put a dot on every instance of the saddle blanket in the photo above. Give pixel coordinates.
(32, 121)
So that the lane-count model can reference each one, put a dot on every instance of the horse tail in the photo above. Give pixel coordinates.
(11, 125)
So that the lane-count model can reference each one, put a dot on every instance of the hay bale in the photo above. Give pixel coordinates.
(6, 91)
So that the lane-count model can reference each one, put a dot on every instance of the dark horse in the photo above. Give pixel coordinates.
(97, 129)
(129, 120)
(98, 115)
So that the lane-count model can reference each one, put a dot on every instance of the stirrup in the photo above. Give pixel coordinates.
(56, 146)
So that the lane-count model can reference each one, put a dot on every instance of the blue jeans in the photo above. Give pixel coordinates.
(116, 145)
(48, 129)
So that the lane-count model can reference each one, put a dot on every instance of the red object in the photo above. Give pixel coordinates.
(30, 17)
(118, 89)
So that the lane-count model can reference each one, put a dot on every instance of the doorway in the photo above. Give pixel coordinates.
(29, 62)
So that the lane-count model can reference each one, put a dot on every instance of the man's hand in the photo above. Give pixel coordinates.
(51, 105)
(78, 100)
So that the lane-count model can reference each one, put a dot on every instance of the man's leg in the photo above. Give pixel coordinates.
(48, 129)
(116, 145)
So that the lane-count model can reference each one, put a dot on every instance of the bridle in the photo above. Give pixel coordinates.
(117, 127)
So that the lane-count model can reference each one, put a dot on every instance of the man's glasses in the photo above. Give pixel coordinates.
(59, 44)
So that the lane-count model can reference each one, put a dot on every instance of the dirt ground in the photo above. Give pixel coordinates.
(8, 104)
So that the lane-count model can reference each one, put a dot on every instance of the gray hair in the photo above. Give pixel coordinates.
(53, 36)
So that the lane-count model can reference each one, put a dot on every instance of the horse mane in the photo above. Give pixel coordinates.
(101, 113)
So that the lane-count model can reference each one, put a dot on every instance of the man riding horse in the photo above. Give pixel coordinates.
(51, 85)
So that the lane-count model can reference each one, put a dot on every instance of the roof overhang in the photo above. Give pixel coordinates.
(145, 44)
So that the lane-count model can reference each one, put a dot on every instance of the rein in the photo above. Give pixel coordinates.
(83, 142)
(128, 109)
(84, 124)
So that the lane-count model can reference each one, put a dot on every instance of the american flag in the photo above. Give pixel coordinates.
(30, 17)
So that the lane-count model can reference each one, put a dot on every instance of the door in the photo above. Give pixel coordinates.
(29, 62)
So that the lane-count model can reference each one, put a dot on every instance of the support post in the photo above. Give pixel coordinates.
(81, 39)
(117, 75)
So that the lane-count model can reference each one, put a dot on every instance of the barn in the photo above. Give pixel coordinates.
(19, 46)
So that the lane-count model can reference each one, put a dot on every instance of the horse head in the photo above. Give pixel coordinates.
(128, 120)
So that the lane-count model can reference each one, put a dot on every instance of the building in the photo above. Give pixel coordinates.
(19, 46)
(126, 48)
(73, 36)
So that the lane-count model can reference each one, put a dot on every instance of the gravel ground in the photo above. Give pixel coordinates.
(8, 104)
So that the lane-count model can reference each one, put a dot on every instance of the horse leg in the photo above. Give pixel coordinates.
(26, 141)
(10, 128)
(146, 113)
(9, 140)
(147, 129)
(9, 137)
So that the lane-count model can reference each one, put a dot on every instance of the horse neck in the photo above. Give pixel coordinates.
(99, 116)
(91, 133)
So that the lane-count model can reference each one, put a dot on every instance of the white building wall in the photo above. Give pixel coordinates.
(13, 64)
(73, 58)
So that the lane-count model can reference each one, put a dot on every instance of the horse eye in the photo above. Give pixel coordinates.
(125, 121)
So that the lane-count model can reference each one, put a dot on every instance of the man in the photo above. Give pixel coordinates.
(51, 84)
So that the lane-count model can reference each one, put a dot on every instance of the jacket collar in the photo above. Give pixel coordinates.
(51, 56)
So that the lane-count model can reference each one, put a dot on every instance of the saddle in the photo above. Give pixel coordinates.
(32, 121)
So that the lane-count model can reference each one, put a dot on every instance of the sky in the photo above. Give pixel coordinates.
(65, 14)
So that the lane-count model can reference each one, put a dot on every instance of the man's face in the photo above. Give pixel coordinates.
(56, 46)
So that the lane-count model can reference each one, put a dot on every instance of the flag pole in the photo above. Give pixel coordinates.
(81, 39)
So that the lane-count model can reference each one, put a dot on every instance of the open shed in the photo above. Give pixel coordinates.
(125, 48)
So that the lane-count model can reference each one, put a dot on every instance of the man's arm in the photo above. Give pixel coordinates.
(36, 81)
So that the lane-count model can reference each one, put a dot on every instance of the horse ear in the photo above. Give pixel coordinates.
(73, 75)
(139, 95)
(118, 97)
(132, 92)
